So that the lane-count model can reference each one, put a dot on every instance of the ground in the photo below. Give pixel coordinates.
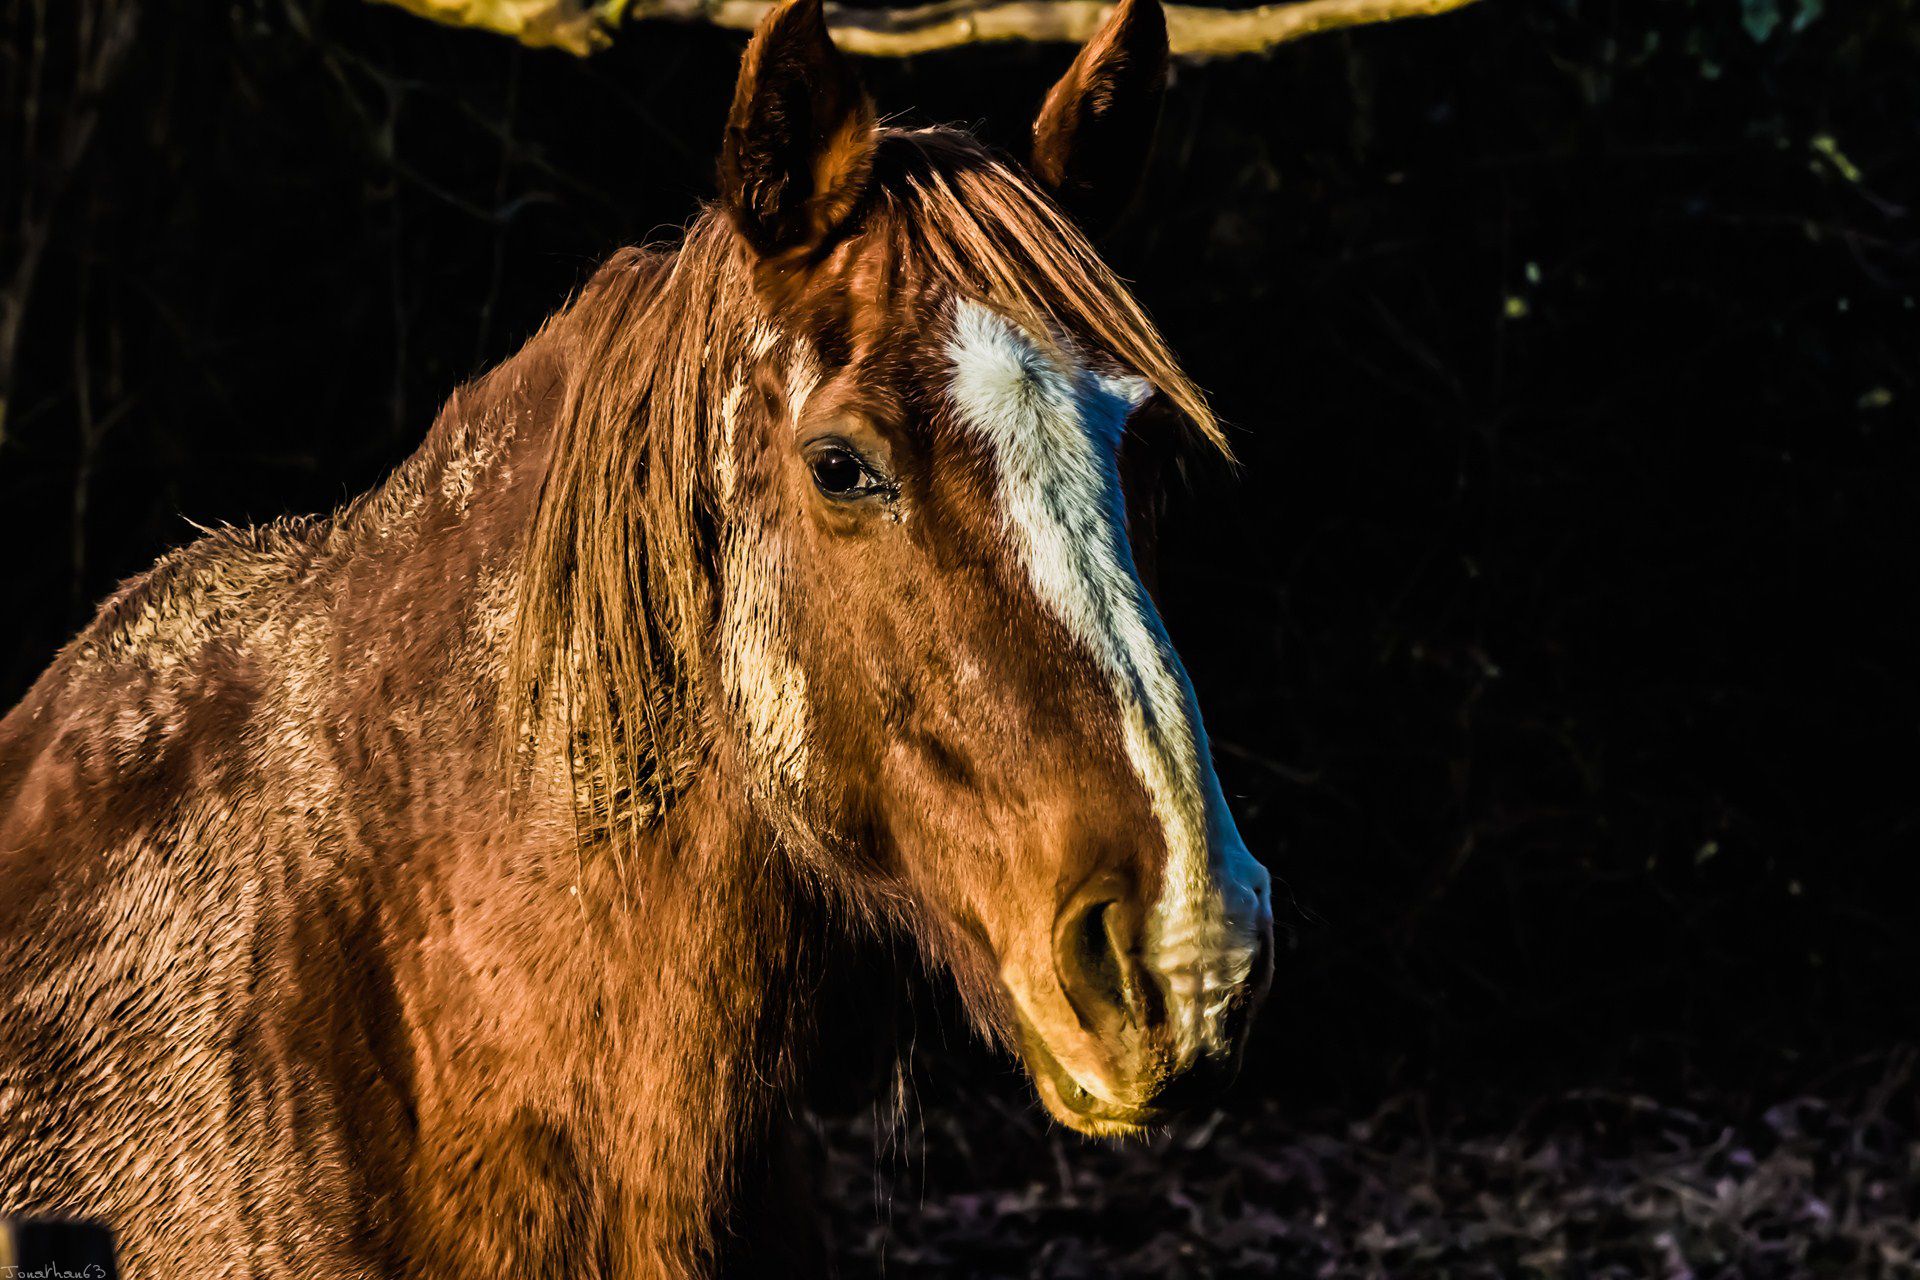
(1590, 1183)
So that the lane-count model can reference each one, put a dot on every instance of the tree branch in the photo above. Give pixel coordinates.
(1196, 31)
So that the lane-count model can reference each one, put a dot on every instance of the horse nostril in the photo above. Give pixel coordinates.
(1095, 953)
(1099, 963)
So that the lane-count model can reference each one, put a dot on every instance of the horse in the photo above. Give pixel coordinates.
(439, 888)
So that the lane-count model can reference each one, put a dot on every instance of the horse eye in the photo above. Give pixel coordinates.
(839, 474)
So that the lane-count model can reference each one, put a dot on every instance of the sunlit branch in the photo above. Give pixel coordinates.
(1196, 31)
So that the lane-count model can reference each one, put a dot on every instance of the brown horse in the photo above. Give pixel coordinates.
(438, 888)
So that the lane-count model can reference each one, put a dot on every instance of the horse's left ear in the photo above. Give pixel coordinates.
(800, 137)
(1091, 141)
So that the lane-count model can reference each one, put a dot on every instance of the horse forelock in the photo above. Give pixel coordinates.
(976, 224)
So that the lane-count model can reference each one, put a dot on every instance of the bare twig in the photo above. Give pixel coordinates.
(104, 33)
(89, 451)
(1197, 31)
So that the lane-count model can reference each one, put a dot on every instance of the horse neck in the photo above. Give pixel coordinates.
(642, 995)
(643, 1019)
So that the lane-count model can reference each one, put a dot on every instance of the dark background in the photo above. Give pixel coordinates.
(1556, 636)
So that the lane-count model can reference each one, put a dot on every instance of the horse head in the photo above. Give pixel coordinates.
(960, 680)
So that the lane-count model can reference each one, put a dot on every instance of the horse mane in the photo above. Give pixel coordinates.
(613, 593)
(616, 600)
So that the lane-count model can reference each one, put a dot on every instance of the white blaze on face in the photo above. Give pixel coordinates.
(1055, 428)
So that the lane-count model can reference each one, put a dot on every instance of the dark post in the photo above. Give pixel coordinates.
(33, 1249)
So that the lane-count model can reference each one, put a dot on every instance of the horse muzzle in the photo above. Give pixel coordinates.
(1163, 1006)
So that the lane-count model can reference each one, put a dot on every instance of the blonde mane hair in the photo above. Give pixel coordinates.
(616, 597)
(975, 222)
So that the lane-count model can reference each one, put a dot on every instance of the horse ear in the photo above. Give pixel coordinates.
(1091, 141)
(800, 136)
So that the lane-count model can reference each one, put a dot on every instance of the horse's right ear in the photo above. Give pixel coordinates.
(800, 137)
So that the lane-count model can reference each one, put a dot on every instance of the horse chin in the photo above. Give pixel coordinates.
(1073, 1106)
